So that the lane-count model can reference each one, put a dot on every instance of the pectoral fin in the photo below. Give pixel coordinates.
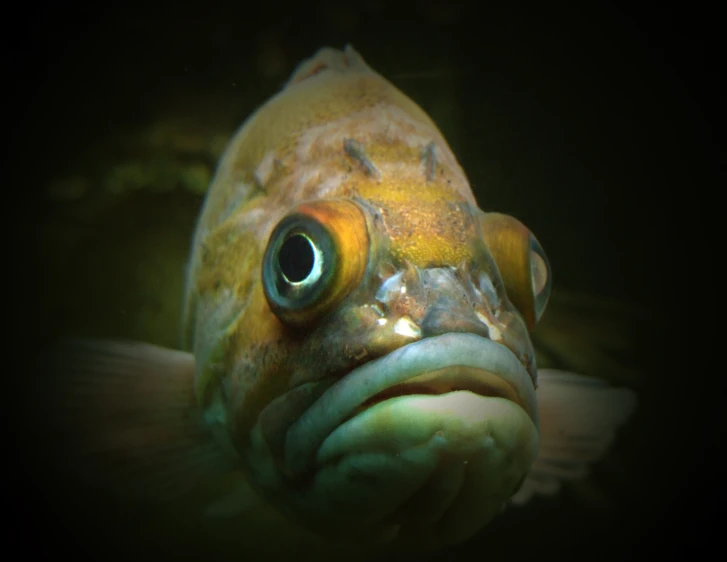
(578, 420)
(123, 416)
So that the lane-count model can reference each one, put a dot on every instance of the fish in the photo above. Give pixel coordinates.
(356, 359)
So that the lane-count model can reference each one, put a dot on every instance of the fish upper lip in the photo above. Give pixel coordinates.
(459, 356)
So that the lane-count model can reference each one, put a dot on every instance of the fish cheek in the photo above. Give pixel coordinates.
(259, 371)
(226, 273)
(229, 261)
(243, 349)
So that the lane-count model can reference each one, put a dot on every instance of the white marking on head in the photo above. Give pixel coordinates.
(488, 290)
(265, 168)
(406, 327)
(495, 333)
(389, 287)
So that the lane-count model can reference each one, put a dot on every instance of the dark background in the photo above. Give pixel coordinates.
(598, 127)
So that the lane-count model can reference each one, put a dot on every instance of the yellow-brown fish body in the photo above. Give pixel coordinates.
(342, 144)
(358, 331)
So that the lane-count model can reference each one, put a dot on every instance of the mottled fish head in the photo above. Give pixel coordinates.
(397, 397)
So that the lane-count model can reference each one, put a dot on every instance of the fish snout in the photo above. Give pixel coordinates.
(441, 300)
(448, 314)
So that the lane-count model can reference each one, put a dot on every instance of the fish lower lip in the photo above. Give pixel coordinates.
(434, 365)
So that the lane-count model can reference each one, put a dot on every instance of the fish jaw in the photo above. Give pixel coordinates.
(437, 459)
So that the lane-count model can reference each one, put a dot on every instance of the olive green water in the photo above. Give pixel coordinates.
(555, 129)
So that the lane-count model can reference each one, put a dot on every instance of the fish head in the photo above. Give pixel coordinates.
(393, 397)
(360, 325)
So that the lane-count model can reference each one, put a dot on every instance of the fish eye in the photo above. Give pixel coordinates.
(540, 278)
(299, 263)
(315, 256)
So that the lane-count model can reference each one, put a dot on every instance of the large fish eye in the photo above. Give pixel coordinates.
(315, 256)
(522, 263)
(299, 262)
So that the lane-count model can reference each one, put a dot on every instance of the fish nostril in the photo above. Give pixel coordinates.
(445, 317)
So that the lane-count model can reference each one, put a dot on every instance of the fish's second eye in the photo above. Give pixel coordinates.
(540, 277)
(299, 260)
(522, 264)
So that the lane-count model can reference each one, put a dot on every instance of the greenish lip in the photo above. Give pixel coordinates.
(435, 365)
(449, 379)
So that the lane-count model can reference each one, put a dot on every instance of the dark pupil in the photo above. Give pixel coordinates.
(296, 258)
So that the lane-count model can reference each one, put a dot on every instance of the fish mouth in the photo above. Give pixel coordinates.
(449, 379)
(437, 365)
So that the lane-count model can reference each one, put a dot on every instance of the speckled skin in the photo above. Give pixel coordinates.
(337, 130)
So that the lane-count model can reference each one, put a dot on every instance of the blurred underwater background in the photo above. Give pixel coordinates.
(585, 126)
